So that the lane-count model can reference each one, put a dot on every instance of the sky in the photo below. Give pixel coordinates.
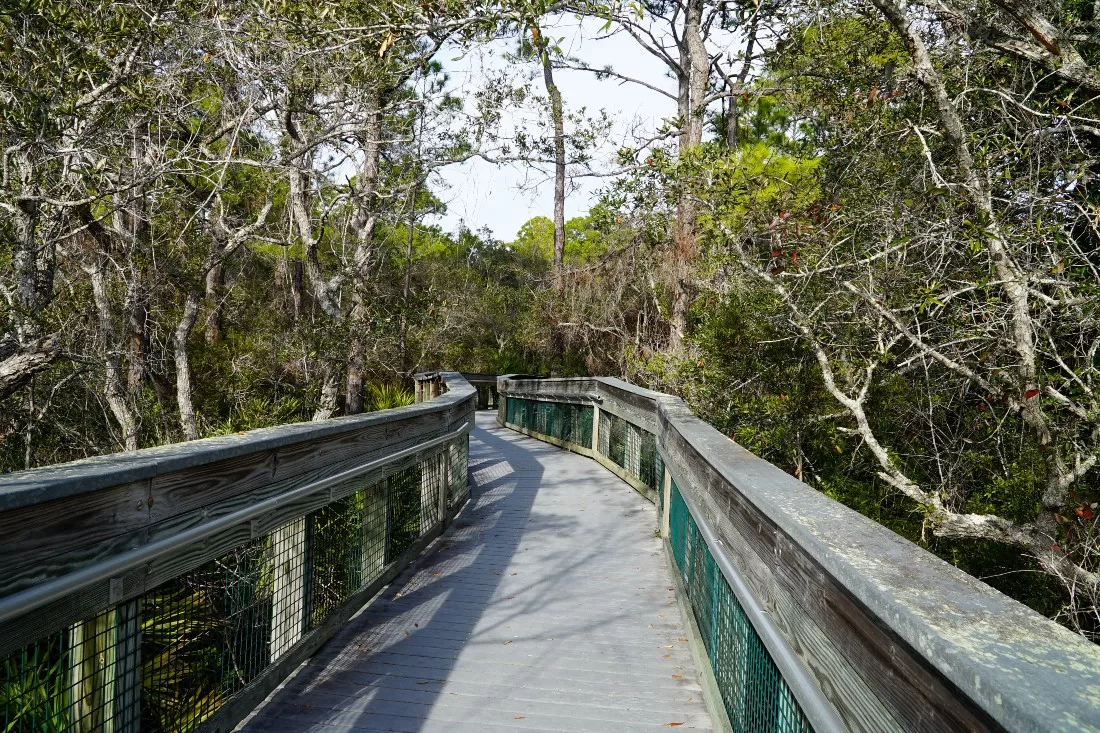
(481, 194)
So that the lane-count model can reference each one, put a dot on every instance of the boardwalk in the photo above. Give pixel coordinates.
(547, 608)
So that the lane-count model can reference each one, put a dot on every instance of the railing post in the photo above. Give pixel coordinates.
(91, 683)
(374, 530)
(127, 708)
(666, 500)
(288, 586)
(387, 543)
(633, 459)
(596, 429)
(431, 475)
(445, 490)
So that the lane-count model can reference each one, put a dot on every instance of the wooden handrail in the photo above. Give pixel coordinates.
(95, 541)
(893, 637)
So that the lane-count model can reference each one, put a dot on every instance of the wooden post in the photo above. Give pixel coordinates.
(374, 531)
(596, 429)
(666, 500)
(633, 457)
(431, 471)
(92, 656)
(127, 693)
(387, 545)
(289, 586)
(418, 388)
(445, 492)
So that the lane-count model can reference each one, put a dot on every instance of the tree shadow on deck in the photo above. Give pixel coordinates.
(459, 628)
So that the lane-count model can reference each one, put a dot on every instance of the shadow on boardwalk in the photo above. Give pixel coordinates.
(546, 608)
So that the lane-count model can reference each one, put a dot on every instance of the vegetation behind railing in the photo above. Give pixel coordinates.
(812, 616)
(163, 625)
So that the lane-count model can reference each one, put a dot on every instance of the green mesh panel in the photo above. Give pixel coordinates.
(756, 698)
(564, 421)
(631, 448)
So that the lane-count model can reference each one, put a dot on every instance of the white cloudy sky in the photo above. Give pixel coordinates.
(482, 194)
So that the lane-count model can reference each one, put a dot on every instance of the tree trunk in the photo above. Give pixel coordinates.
(733, 110)
(113, 389)
(296, 287)
(694, 65)
(215, 280)
(138, 317)
(405, 289)
(557, 116)
(188, 422)
(353, 384)
(365, 219)
(23, 362)
(330, 392)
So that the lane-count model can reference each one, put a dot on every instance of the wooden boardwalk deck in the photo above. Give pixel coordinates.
(548, 607)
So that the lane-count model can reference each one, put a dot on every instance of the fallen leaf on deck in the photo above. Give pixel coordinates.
(677, 676)
(673, 725)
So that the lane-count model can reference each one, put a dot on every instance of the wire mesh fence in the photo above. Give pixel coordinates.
(756, 698)
(170, 659)
(625, 444)
(562, 420)
(630, 447)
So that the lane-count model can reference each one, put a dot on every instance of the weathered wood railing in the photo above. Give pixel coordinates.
(811, 616)
(173, 588)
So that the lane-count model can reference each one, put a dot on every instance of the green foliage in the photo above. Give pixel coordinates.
(584, 242)
(387, 396)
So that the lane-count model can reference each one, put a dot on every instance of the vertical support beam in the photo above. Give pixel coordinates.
(595, 428)
(633, 451)
(374, 530)
(431, 473)
(387, 545)
(92, 658)
(446, 481)
(418, 388)
(127, 707)
(666, 501)
(288, 545)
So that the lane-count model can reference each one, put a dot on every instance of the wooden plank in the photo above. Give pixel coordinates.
(86, 528)
(20, 632)
(38, 485)
(494, 613)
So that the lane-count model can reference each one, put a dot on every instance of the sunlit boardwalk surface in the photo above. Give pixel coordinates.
(547, 608)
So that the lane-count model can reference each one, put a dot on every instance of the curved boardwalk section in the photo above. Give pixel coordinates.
(548, 607)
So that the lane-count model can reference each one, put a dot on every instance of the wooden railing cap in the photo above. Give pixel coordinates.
(37, 485)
